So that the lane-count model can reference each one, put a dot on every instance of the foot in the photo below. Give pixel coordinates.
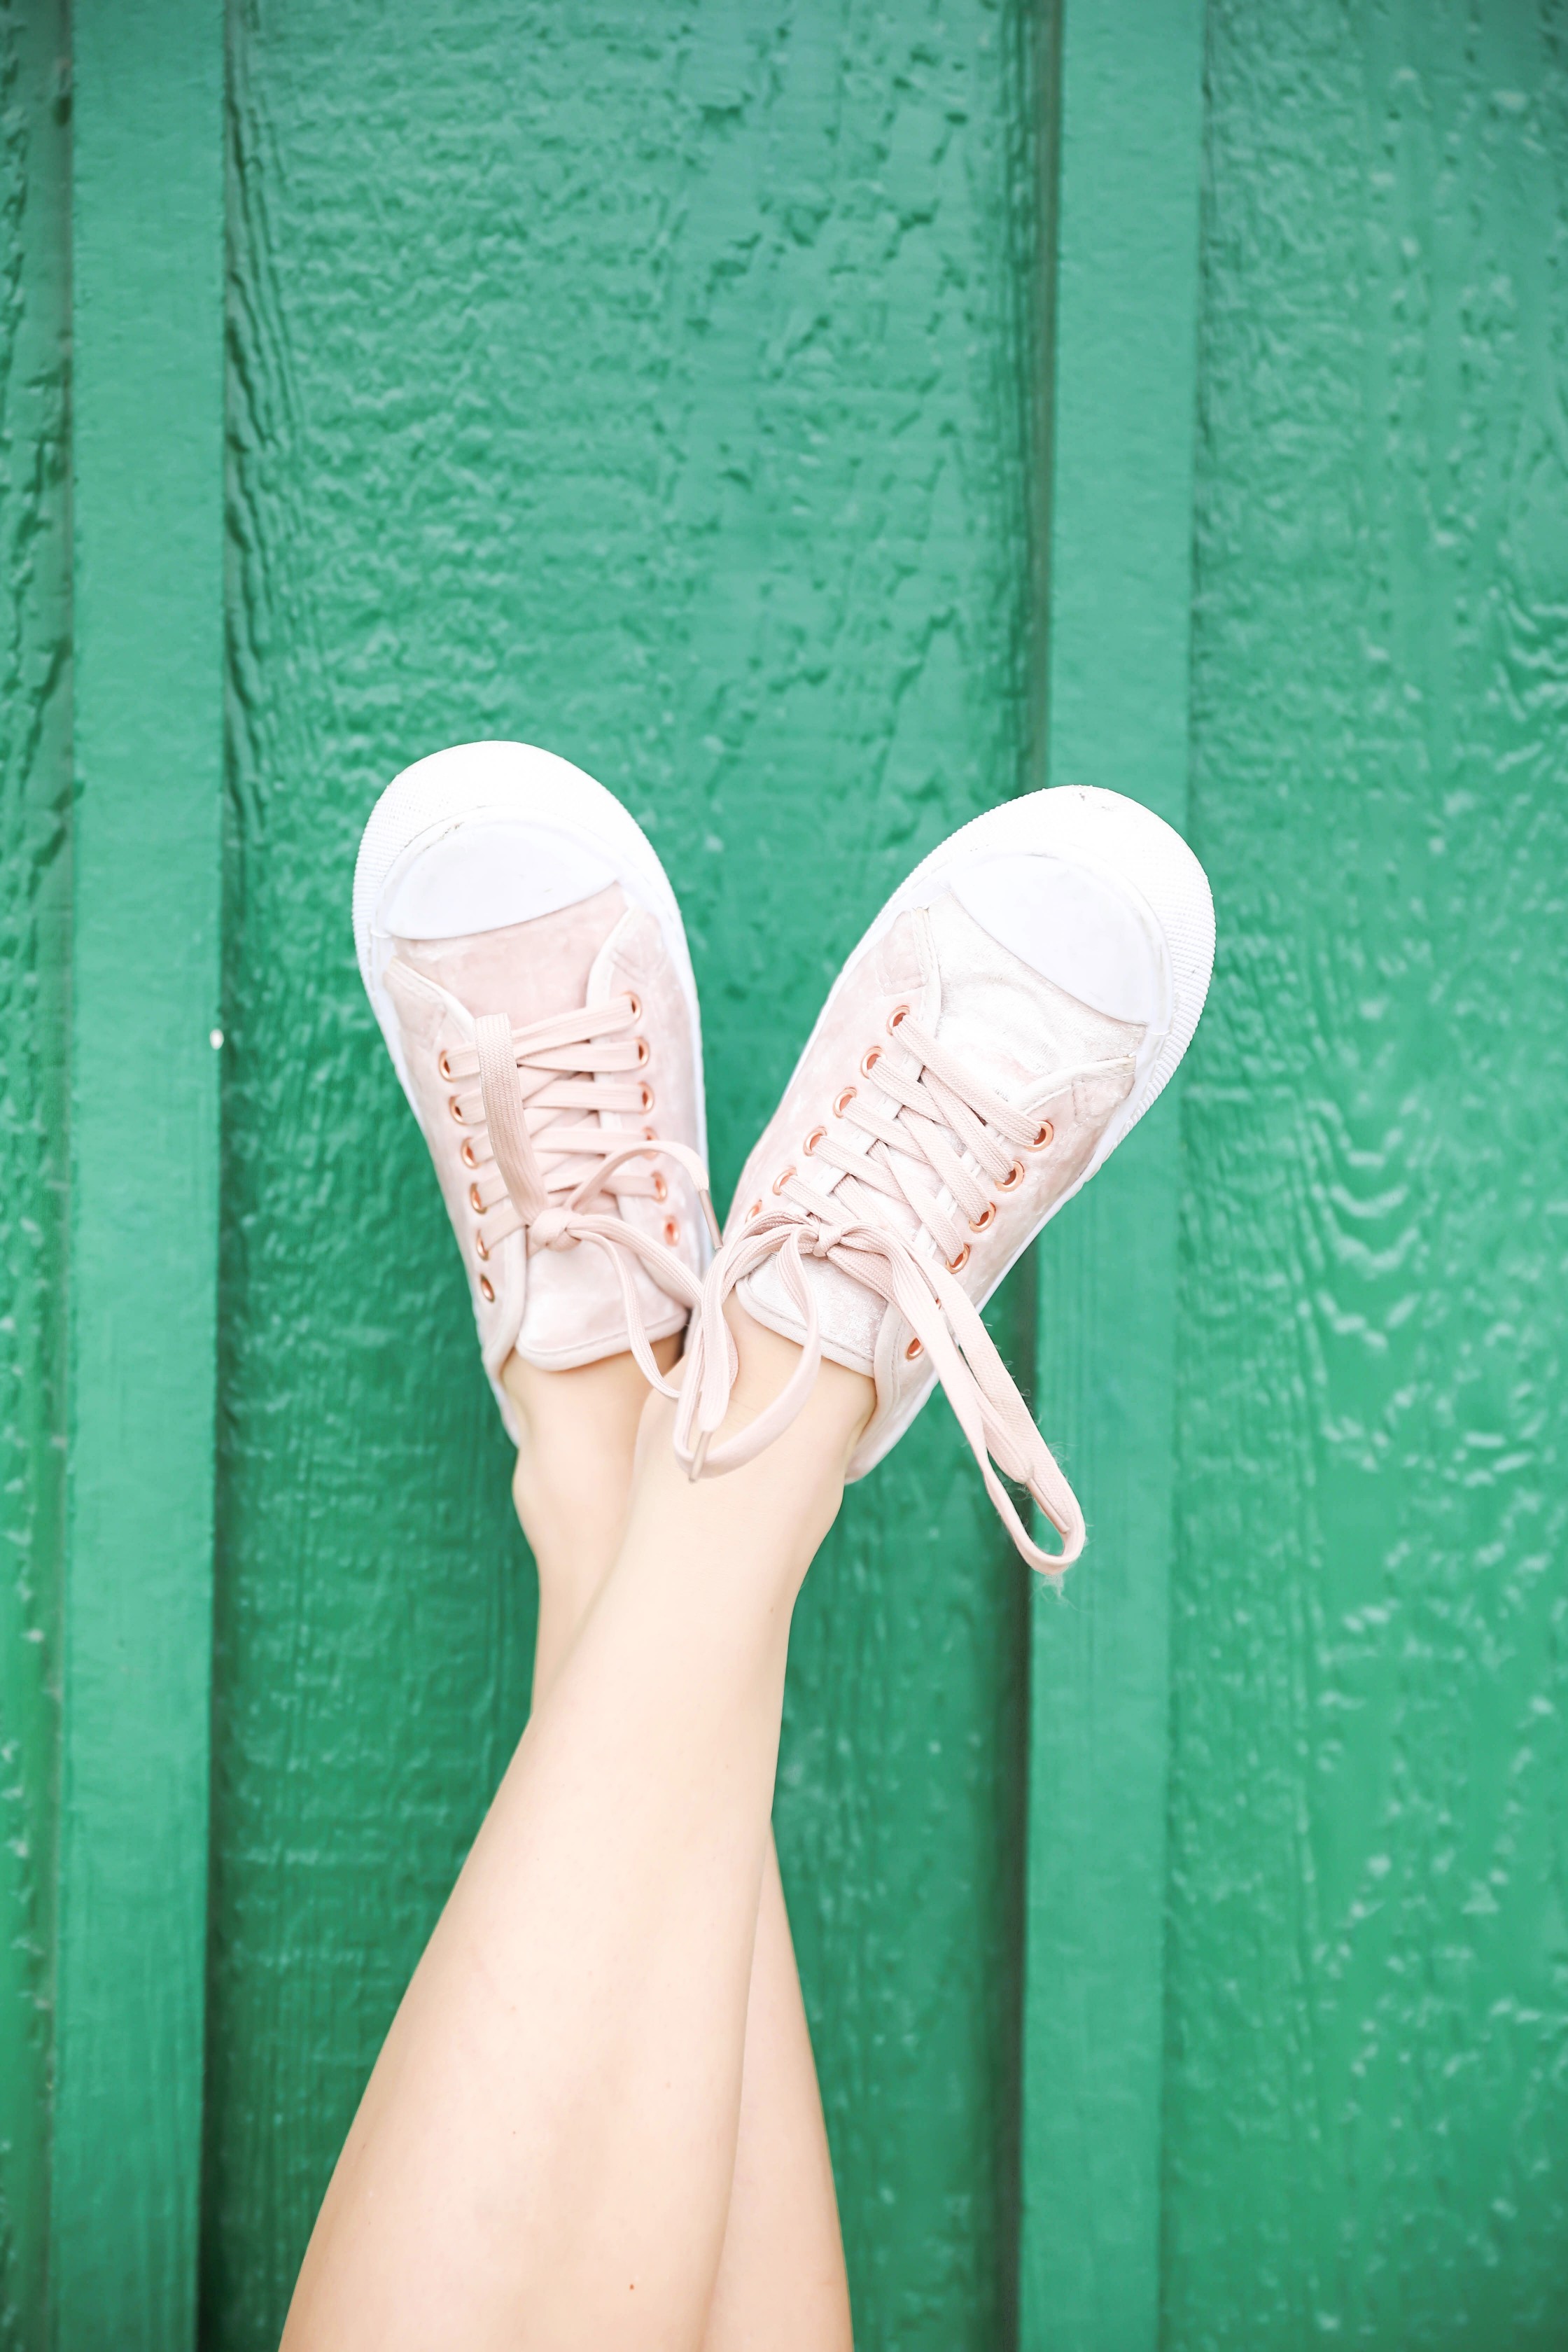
(525, 957)
(1010, 1015)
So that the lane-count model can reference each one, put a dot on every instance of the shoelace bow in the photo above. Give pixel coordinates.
(912, 1153)
(553, 1168)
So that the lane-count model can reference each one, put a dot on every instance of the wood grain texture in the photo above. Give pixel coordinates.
(147, 606)
(1368, 2083)
(35, 795)
(1123, 362)
(649, 385)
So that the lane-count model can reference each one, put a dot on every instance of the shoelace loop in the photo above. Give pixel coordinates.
(556, 1170)
(940, 1113)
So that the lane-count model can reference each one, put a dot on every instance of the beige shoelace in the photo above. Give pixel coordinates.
(919, 1111)
(536, 1167)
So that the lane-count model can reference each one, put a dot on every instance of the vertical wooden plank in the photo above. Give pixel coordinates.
(1124, 347)
(1367, 2097)
(147, 313)
(35, 809)
(640, 382)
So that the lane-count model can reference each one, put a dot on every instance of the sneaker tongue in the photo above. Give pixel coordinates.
(529, 970)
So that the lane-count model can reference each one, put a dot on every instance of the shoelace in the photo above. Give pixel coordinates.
(553, 1169)
(939, 1110)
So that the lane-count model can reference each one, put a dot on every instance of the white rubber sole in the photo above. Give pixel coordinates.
(1151, 867)
(498, 784)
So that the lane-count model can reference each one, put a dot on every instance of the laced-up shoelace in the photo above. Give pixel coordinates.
(536, 1167)
(941, 1130)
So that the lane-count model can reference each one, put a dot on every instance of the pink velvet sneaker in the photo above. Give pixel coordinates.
(1011, 1013)
(525, 957)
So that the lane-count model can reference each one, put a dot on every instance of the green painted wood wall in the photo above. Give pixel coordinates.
(821, 422)
(1366, 2093)
(35, 882)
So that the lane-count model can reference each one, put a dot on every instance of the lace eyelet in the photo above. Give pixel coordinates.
(660, 1188)
(635, 1000)
(1043, 1137)
(870, 1061)
(475, 1202)
(841, 1102)
(899, 1012)
(978, 1224)
(817, 1135)
(912, 1350)
(444, 1063)
(466, 1154)
(481, 1248)
(649, 1136)
(754, 1211)
(782, 1178)
(642, 1052)
(456, 1109)
(671, 1232)
(1013, 1179)
(956, 1264)
(486, 1291)
(648, 1099)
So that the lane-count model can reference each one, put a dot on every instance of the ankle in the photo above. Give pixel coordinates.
(577, 1436)
(836, 1412)
(771, 1512)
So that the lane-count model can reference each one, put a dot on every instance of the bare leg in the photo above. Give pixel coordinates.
(545, 2153)
(782, 2285)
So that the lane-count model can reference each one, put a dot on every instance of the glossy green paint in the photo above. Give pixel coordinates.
(665, 387)
(649, 385)
(146, 455)
(35, 878)
(1124, 335)
(1367, 2088)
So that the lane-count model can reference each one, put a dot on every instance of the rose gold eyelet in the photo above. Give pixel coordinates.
(466, 1154)
(754, 1211)
(660, 1188)
(649, 1136)
(978, 1224)
(956, 1264)
(444, 1063)
(635, 1000)
(671, 1232)
(482, 1250)
(1013, 1179)
(1043, 1137)
(782, 1178)
(912, 1350)
(456, 1109)
(840, 1102)
(648, 1099)
(817, 1135)
(899, 1012)
(642, 1052)
(475, 1202)
(486, 1292)
(870, 1061)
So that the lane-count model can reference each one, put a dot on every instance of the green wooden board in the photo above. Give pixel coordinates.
(1124, 348)
(648, 387)
(1367, 2094)
(34, 794)
(692, 392)
(146, 476)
